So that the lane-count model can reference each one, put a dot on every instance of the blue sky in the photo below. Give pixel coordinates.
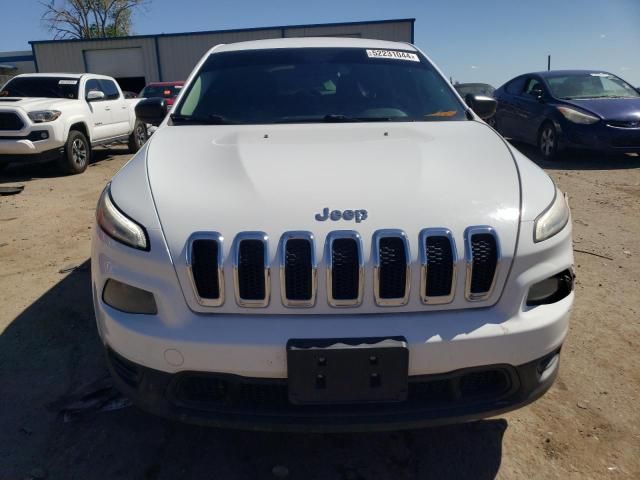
(472, 41)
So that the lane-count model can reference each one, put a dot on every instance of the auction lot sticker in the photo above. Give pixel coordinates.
(393, 54)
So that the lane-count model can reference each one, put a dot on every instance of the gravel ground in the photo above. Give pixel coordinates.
(586, 426)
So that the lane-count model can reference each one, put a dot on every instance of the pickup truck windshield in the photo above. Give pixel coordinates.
(47, 87)
(308, 85)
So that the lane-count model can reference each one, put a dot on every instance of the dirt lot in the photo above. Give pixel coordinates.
(586, 426)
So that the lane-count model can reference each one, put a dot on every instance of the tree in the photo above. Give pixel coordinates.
(90, 18)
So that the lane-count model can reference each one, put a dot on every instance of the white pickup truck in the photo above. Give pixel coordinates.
(62, 116)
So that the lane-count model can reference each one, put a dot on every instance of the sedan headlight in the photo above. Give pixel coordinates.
(553, 219)
(41, 116)
(576, 116)
(117, 225)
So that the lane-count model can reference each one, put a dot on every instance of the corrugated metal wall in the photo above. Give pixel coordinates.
(393, 31)
(180, 53)
(68, 57)
(172, 57)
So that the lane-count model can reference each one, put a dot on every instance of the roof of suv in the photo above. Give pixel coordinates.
(313, 42)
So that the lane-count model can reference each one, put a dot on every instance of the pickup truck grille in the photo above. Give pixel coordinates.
(10, 121)
(345, 269)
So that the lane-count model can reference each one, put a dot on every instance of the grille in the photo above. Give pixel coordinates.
(298, 270)
(10, 121)
(484, 253)
(439, 264)
(624, 123)
(204, 265)
(251, 270)
(210, 391)
(345, 274)
(345, 270)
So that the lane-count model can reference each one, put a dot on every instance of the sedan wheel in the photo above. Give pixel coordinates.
(548, 142)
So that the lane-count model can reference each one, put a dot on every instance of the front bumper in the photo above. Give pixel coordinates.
(599, 137)
(231, 401)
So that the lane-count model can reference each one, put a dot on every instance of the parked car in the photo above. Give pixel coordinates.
(62, 117)
(166, 90)
(585, 109)
(485, 89)
(323, 236)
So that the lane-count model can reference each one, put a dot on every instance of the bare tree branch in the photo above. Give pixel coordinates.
(89, 18)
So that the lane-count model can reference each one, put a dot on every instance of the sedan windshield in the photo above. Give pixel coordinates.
(590, 85)
(47, 87)
(317, 85)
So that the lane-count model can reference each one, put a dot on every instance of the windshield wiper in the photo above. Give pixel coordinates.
(195, 120)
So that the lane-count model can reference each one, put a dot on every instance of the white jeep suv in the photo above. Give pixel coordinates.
(323, 236)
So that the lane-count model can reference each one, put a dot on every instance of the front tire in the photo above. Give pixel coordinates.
(77, 153)
(548, 142)
(138, 137)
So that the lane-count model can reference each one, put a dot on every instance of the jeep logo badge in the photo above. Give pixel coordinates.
(335, 215)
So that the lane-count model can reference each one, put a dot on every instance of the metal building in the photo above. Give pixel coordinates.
(14, 63)
(137, 60)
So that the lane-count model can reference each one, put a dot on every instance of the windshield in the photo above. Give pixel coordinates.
(162, 91)
(590, 85)
(316, 85)
(48, 87)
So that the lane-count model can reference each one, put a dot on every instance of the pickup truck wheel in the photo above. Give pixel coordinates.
(77, 153)
(138, 138)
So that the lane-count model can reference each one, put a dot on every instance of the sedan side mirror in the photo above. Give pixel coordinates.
(485, 107)
(95, 95)
(152, 110)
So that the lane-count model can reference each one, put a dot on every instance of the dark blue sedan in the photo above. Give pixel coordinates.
(563, 109)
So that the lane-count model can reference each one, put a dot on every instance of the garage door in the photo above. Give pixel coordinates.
(115, 62)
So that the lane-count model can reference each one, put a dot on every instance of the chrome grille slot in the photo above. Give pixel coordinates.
(391, 267)
(251, 269)
(204, 263)
(482, 252)
(438, 258)
(298, 271)
(345, 271)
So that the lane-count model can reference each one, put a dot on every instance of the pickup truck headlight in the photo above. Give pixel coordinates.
(553, 219)
(117, 225)
(41, 116)
(576, 116)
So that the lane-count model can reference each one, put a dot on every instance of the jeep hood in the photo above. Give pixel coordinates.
(275, 178)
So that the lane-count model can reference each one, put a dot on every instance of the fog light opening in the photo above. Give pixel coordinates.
(128, 299)
(552, 289)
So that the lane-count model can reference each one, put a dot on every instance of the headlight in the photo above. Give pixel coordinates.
(553, 219)
(117, 225)
(41, 116)
(576, 116)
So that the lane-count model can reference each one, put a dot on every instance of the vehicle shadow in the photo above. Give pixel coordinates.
(52, 348)
(579, 160)
(24, 173)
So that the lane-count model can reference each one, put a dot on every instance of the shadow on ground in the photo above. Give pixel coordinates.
(580, 160)
(52, 348)
(24, 173)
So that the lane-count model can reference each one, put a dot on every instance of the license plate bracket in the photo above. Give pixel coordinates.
(347, 371)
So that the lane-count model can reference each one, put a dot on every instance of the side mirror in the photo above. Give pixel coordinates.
(485, 107)
(95, 95)
(152, 110)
